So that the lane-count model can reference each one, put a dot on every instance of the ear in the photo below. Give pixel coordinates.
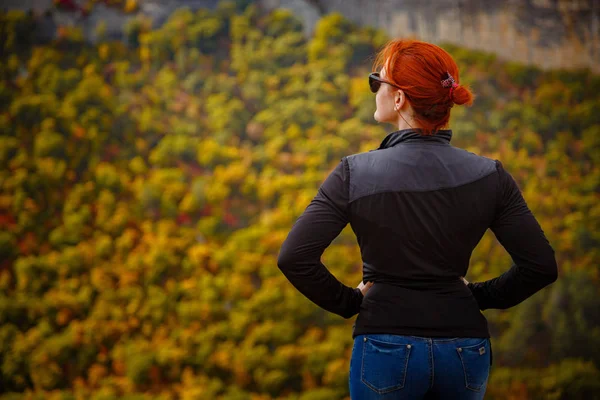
(399, 99)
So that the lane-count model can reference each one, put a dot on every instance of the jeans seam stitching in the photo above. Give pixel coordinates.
(432, 362)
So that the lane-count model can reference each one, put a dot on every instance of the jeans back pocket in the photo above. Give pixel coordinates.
(384, 365)
(476, 364)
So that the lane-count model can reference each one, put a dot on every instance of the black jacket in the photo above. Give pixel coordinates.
(418, 207)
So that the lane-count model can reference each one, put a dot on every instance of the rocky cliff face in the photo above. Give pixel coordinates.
(547, 33)
(112, 18)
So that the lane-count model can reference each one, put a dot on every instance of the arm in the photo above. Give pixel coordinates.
(300, 255)
(520, 234)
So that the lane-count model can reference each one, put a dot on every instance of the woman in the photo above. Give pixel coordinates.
(418, 206)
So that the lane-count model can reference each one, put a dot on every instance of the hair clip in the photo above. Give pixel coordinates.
(449, 81)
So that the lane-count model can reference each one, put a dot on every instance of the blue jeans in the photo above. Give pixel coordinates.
(394, 367)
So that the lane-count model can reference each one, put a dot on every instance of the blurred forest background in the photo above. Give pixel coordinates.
(147, 185)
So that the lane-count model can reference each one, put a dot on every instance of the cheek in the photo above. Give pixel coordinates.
(383, 107)
(380, 102)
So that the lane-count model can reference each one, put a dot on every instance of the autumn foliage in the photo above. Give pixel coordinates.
(147, 185)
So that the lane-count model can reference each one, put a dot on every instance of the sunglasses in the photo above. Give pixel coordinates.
(375, 82)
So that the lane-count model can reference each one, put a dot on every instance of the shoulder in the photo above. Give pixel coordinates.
(368, 158)
(485, 164)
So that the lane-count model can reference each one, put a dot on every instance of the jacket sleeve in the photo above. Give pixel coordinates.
(300, 255)
(534, 264)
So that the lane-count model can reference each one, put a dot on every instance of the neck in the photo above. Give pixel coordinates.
(404, 124)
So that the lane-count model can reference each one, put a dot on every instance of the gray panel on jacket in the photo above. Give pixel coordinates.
(395, 169)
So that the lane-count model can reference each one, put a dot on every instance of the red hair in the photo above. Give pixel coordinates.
(418, 69)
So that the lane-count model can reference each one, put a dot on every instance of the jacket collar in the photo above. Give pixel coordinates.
(414, 135)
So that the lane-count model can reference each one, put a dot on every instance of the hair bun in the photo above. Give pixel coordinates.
(462, 95)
